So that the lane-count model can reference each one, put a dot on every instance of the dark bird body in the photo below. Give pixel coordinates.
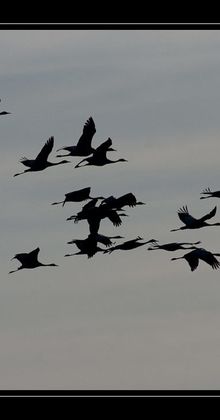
(174, 246)
(94, 215)
(103, 239)
(197, 254)
(41, 162)
(30, 260)
(99, 157)
(4, 113)
(86, 246)
(133, 243)
(192, 223)
(128, 199)
(210, 193)
(83, 147)
(77, 196)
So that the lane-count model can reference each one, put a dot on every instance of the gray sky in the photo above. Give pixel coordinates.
(129, 320)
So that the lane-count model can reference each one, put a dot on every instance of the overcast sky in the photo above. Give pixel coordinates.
(129, 320)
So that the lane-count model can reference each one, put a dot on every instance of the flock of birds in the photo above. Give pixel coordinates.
(111, 208)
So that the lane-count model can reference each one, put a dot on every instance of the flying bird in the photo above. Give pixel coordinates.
(77, 196)
(83, 147)
(30, 260)
(103, 239)
(210, 193)
(194, 256)
(81, 215)
(94, 214)
(133, 243)
(41, 162)
(4, 113)
(128, 199)
(192, 223)
(99, 157)
(174, 246)
(86, 246)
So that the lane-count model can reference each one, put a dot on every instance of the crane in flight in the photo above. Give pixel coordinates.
(30, 260)
(78, 195)
(133, 243)
(197, 254)
(41, 162)
(99, 157)
(174, 246)
(192, 223)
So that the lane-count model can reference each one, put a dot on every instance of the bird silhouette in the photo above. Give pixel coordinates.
(94, 215)
(83, 147)
(197, 254)
(86, 246)
(210, 193)
(41, 161)
(133, 243)
(192, 223)
(82, 215)
(99, 157)
(128, 199)
(103, 239)
(4, 113)
(30, 260)
(174, 246)
(77, 196)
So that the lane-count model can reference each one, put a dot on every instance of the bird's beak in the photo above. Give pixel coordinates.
(12, 259)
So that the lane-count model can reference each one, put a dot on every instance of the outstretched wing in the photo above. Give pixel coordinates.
(209, 215)
(206, 191)
(126, 200)
(192, 260)
(209, 258)
(88, 133)
(46, 150)
(104, 240)
(21, 257)
(33, 254)
(185, 217)
(114, 218)
(79, 195)
(103, 148)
